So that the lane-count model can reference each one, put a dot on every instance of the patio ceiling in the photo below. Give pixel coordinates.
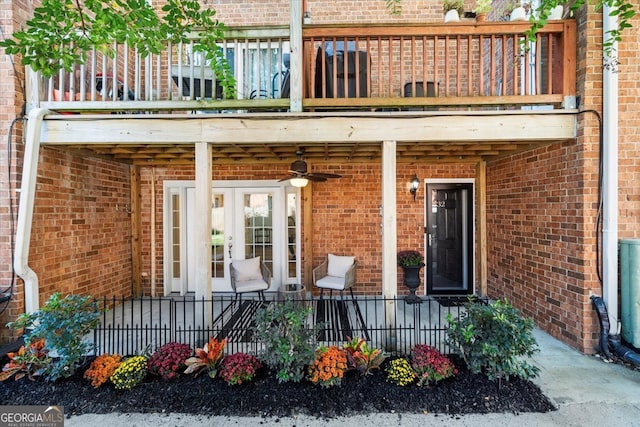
(326, 138)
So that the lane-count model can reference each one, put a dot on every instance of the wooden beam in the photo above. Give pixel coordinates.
(136, 250)
(307, 235)
(296, 57)
(346, 128)
(481, 189)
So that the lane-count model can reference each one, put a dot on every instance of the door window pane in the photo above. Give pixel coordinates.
(217, 236)
(292, 236)
(258, 227)
(175, 235)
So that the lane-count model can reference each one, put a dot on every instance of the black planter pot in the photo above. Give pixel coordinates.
(412, 281)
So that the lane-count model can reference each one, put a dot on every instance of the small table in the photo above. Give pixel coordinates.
(292, 291)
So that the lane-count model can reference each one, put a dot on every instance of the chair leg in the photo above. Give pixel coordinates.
(321, 293)
(353, 298)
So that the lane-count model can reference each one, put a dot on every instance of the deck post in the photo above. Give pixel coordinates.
(295, 49)
(389, 241)
(202, 221)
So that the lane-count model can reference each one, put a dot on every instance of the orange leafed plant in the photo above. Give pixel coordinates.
(102, 368)
(361, 357)
(208, 357)
(29, 361)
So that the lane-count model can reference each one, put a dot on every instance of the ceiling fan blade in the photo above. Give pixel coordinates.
(314, 178)
(323, 175)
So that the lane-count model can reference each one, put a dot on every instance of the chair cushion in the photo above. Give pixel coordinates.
(247, 269)
(339, 265)
(331, 282)
(251, 286)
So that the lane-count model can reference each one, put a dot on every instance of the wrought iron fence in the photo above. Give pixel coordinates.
(132, 326)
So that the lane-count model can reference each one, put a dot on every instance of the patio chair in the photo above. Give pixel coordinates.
(250, 275)
(337, 273)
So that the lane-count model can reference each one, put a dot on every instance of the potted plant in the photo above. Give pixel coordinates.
(411, 262)
(452, 10)
(481, 9)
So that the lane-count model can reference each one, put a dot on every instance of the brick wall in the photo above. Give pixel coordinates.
(81, 232)
(542, 204)
(276, 12)
(629, 139)
(540, 234)
(81, 236)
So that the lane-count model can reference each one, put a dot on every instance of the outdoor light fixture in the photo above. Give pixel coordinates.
(299, 182)
(413, 185)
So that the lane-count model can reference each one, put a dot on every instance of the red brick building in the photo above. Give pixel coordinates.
(112, 220)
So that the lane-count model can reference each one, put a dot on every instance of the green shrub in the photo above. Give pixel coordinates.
(492, 338)
(289, 345)
(62, 323)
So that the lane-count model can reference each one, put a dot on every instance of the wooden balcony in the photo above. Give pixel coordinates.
(363, 68)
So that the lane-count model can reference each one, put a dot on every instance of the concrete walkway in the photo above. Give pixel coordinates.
(586, 390)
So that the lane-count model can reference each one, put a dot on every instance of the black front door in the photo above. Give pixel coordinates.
(449, 234)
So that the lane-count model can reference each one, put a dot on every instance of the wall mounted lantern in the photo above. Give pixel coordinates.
(413, 185)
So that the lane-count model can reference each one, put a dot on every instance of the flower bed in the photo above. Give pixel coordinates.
(291, 375)
(265, 396)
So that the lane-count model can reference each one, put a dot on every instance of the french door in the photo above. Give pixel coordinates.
(449, 238)
(245, 222)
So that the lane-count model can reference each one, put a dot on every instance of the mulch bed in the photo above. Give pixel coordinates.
(466, 393)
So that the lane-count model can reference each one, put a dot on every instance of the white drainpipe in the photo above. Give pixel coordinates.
(25, 210)
(610, 177)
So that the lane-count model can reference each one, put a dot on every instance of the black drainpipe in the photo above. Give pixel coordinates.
(607, 339)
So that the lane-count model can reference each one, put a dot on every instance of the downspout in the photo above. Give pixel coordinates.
(610, 174)
(609, 318)
(25, 209)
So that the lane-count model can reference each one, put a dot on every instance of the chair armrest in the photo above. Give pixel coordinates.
(320, 271)
(350, 277)
(266, 273)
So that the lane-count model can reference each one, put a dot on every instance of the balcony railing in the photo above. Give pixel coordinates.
(343, 67)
